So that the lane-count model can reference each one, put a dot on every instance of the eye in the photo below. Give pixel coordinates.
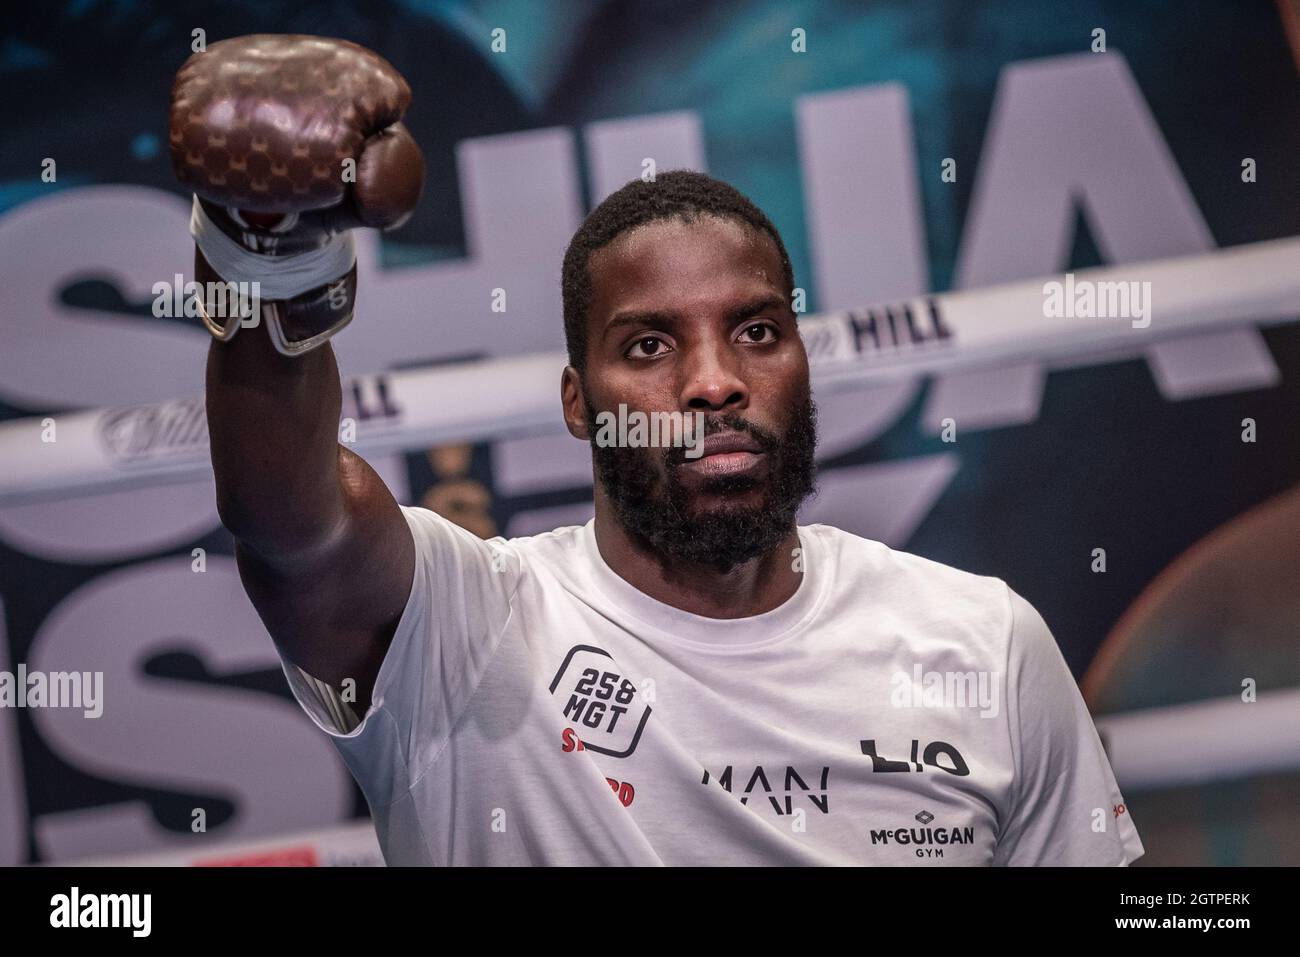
(651, 346)
(755, 333)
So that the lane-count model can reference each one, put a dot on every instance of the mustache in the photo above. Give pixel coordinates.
(766, 439)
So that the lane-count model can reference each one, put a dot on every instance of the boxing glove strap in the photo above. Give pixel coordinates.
(279, 277)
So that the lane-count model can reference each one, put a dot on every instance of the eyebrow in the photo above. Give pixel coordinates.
(668, 318)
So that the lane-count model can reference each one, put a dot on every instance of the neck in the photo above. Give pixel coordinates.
(751, 588)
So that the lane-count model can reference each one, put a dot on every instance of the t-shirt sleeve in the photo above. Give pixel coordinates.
(1066, 808)
(459, 605)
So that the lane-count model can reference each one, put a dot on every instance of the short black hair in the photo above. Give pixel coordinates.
(680, 193)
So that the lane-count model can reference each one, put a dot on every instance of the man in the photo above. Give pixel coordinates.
(691, 677)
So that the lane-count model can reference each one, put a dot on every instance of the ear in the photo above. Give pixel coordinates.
(572, 403)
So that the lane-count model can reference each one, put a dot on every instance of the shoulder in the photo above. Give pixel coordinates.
(898, 576)
(566, 540)
(437, 537)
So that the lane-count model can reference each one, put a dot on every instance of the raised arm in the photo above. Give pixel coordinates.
(288, 143)
(323, 550)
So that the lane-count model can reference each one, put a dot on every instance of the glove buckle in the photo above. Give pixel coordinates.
(271, 313)
(234, 320)
(296, 347)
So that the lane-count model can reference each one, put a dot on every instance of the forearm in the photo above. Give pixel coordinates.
(273, 426)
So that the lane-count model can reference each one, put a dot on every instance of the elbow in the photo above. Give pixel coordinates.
(233, 515)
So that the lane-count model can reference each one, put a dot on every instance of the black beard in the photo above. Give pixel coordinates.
(659, 516)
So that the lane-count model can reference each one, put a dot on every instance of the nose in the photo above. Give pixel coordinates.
(713, 378)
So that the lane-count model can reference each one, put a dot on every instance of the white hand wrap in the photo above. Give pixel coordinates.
(279, 277)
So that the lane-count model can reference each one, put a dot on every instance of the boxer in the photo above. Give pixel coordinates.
(692, 677)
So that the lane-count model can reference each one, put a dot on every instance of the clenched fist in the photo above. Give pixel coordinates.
(288, 142)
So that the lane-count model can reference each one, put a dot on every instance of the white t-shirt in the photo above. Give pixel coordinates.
(535, 708)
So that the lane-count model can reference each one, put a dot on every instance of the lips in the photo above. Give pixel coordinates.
(721, 442)
(727, 454)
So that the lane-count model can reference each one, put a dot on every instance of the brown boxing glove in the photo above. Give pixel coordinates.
(289, 142)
